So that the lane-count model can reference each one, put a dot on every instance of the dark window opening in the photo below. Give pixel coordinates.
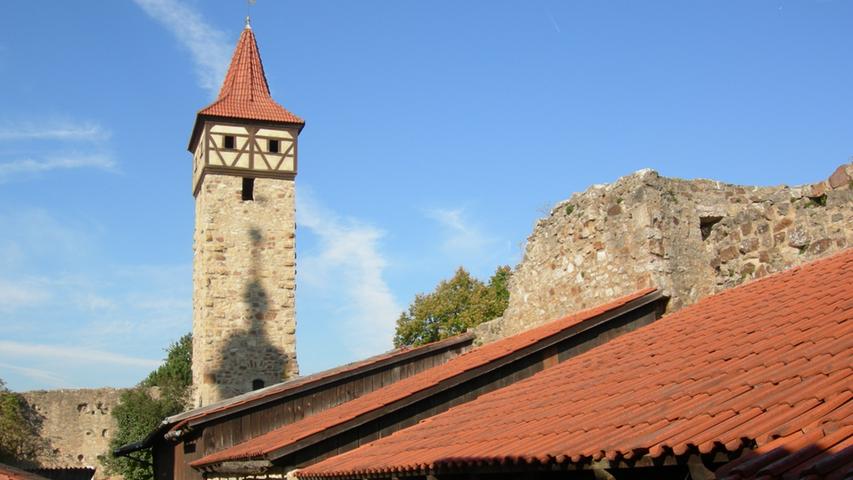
(248, 189)
(228, 141)
(257, 384)
(706, 224)
(273, 144)
(819, 201)
(189, 446)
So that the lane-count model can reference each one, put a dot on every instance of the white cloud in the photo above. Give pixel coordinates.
(32, 166)
(462, 236)
(78, 354)
(59, 290)
(33, 235)
(349, 260)
(208, 46)
(93, 302)
(18, 294)
(66, 130)
(39, 375)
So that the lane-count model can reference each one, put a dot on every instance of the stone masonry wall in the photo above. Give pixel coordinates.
(691, 238)
(78, 424)
(244, 280)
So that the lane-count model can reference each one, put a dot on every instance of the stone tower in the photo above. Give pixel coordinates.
(244, 268)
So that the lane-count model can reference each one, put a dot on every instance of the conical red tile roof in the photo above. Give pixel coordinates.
(245, 93)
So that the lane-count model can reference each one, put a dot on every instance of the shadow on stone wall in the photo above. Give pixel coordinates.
(248, 359)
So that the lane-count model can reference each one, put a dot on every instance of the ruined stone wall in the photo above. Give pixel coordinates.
(244, 280)
(77, 424)
(691, 238)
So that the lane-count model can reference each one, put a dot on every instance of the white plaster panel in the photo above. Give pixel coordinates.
(229, 129)
(283, 134)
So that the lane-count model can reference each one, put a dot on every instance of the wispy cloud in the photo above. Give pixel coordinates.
(62, 162)
(65, 130)
(34, 236)
(18, 294)
(464, 241)
(93, 302)
(349, 259)
(77, 354)
(461, 234)
(553, 20)
(41, 139)
(208, 46)
(39, 375)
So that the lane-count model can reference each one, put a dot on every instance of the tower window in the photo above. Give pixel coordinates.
(273, 146)
(257, 384)
(228, 141)
(248, 189)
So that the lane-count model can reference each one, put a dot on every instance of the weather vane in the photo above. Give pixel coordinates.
(249, 4)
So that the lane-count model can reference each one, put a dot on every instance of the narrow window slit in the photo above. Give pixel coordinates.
(248, 189)
(257, 384)
(273, 146)
(228, 142)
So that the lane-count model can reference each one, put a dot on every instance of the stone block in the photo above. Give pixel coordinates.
(840, 178)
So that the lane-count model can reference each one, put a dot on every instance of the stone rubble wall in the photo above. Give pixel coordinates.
(244, 281)
(77, 424)
(690, 238)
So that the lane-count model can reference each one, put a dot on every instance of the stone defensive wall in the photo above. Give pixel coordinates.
(77, 424)
(690, 238)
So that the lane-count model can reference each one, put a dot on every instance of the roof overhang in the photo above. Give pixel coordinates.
(173, 427)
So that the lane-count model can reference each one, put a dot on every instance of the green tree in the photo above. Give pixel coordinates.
(162, 393)
(453, 307)
(20, 442)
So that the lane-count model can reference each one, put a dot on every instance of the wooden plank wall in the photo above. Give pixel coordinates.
(172, 458)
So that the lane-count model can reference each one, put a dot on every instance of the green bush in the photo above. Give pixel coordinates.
(163, 393)
(20, 442)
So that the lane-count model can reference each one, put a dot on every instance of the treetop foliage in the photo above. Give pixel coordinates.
(453, 307)
(164, 392)
(20, 442)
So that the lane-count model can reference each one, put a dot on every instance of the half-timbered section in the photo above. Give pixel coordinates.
(463, 379)
(188, 436)
(254, 150)
(754, 382)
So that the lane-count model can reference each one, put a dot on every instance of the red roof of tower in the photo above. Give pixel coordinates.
(245, 94)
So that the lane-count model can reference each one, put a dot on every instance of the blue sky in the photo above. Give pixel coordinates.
(437, 133)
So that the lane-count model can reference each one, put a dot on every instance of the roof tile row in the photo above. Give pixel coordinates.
(767, 365)
(292, 433)
(245, 93)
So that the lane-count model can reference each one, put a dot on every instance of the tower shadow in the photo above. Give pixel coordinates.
(248, 359)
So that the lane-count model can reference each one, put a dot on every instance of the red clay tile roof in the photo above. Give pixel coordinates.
(767, 365)
(245, 93)
(11, 473)
(294, 386)
(317, 423)
(258, 396)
